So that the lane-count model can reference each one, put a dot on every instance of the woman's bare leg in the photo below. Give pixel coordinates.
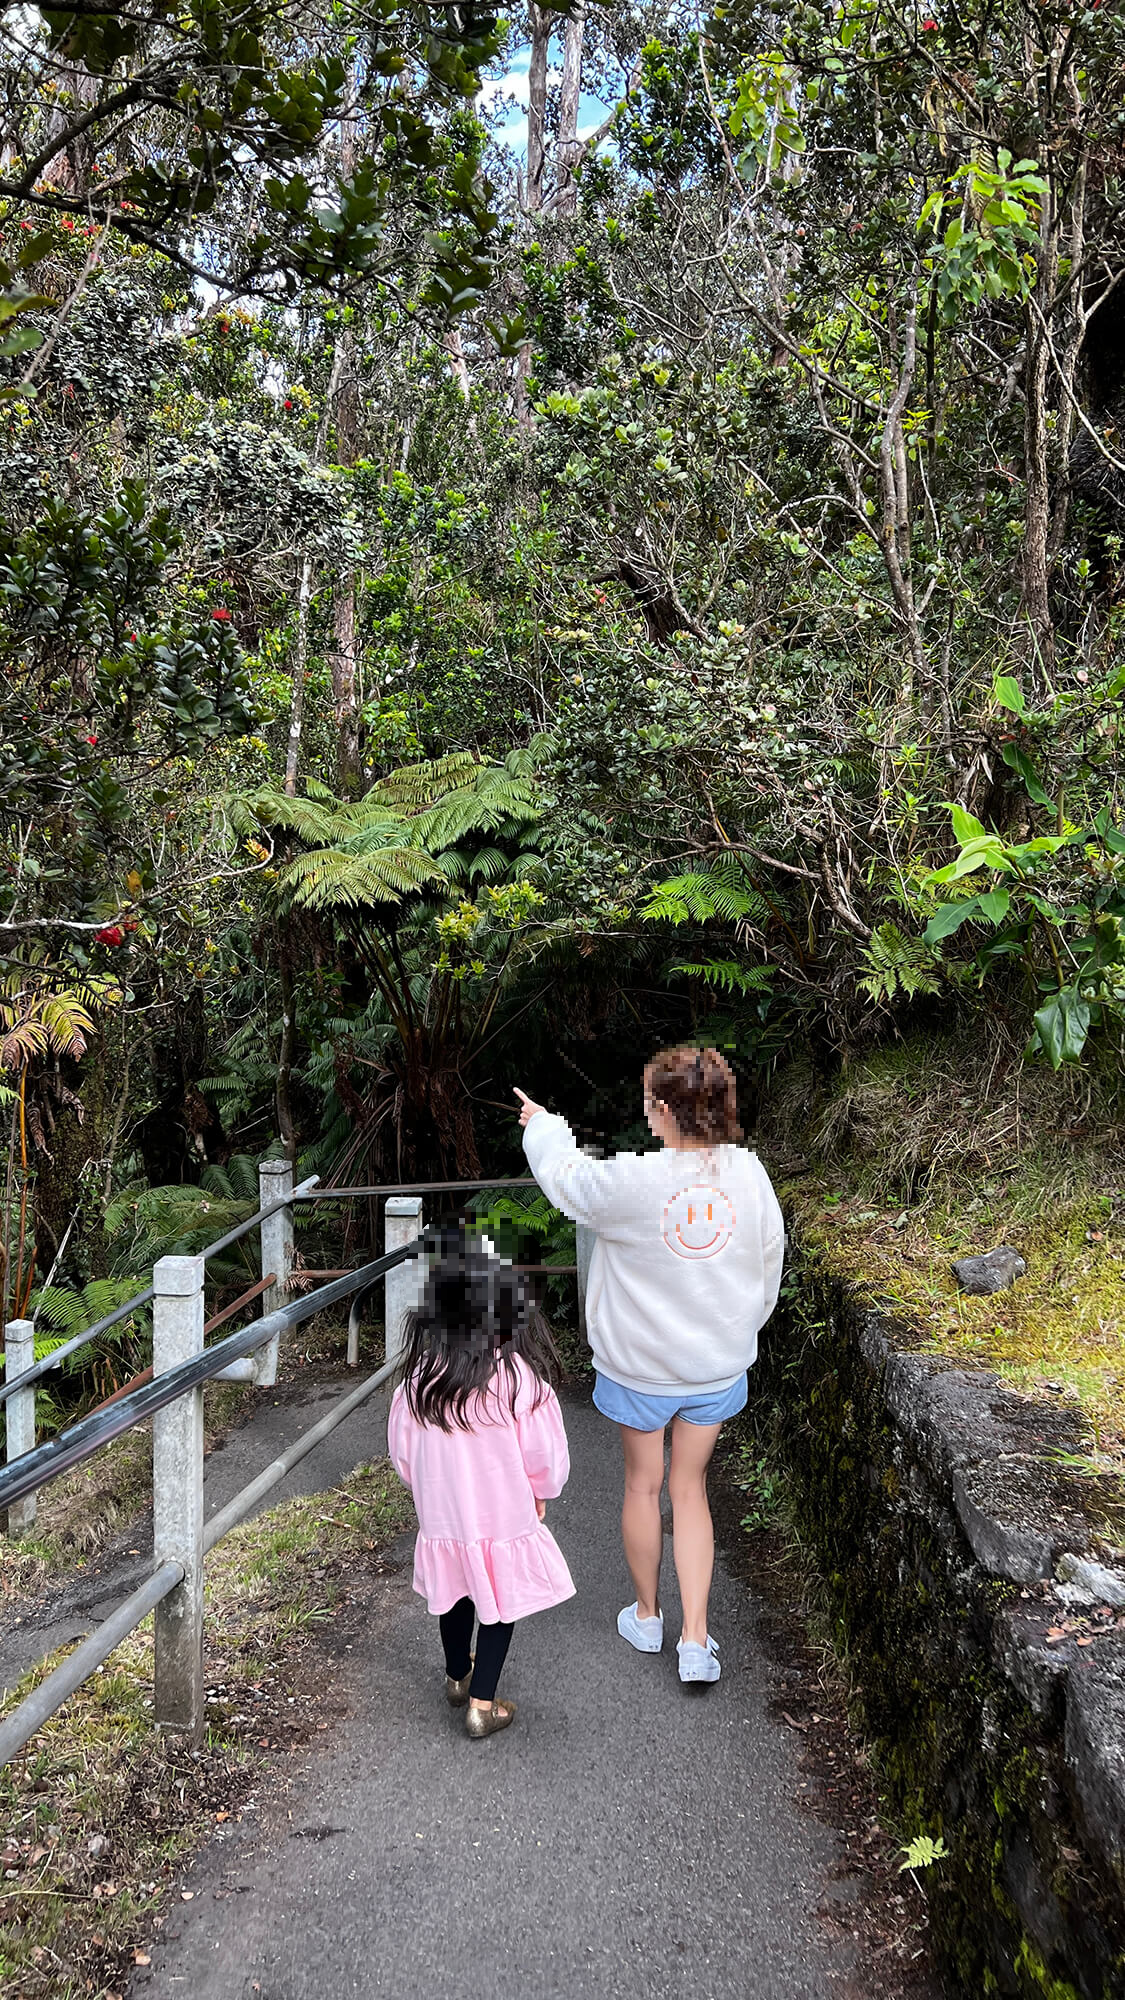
(693, 1536)
(642, 1530)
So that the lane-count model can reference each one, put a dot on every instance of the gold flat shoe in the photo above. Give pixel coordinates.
(486, 1721)
(457, 1692)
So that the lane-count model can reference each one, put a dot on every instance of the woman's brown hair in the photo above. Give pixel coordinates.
(698, 1088)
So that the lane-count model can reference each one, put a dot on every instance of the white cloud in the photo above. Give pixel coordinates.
(513, 84)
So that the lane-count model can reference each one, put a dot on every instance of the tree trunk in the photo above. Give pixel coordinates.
(539, 22)
(459, 367)
(345, 704)
(569, 150)
(1037, 469)
(300, 667)
(285, 1051)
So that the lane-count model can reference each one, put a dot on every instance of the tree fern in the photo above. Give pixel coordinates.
(333, 878)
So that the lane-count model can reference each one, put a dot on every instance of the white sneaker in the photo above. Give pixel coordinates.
(698, 1663)
(646, 1634)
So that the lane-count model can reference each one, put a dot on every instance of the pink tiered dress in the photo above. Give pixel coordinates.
(474, 1494)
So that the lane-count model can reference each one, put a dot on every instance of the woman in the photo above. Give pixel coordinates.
(685, 1272)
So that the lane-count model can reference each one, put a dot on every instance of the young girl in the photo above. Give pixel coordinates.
(684, 1274)
(476, 1433)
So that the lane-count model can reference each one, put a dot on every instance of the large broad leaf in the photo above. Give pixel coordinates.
(986, 851)
(965, 827)
(991, 907)
(1061, 1027)
(1108, 833)
(1009, 694)
(1018, 760)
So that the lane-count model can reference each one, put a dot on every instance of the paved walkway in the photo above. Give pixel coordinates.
(624, 1838)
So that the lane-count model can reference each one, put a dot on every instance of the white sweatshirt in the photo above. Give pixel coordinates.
(687, 1263)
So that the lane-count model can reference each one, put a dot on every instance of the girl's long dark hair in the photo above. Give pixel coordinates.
(475, 1317)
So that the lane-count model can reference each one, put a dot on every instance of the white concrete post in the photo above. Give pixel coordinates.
(402, 1222)
(19, 1414)
(584, 1240)
(275, 1181)
(177, 1498)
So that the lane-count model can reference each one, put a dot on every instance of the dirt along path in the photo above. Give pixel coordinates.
(624, 1838)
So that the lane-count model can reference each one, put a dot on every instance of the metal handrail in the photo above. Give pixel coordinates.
(51, 1361)
(416, 1187)
(36, 1708)
(36, 1468)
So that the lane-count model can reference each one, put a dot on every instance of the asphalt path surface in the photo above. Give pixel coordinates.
(623, 1838)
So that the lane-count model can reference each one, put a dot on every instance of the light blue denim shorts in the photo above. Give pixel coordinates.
(650, 1413)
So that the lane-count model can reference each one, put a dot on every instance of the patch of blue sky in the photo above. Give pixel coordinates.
(505, 98)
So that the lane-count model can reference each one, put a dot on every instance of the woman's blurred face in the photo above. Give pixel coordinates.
(661, 1123)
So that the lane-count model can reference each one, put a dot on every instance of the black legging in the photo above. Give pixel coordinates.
(492, 1649)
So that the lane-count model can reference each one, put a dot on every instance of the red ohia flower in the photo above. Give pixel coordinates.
(110, 934)
(929, 25)
(288, 404)
(222, 614)
(67, 222)
(92, 741)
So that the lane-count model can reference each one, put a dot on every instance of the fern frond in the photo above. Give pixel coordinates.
(328, 877)
(724, 892)
(68, 1312)
(896, 965)
(727, 976)
(415, 786)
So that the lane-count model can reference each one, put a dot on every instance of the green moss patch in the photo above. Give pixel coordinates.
(930, 1150)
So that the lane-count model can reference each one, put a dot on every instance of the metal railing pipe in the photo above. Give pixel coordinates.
(413, 1187)
(71, 1346)
(36, 1708)
(72, 1446)
(59, 1354)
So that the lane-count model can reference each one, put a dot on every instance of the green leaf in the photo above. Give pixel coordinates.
(1018, 760)
(994, 905)
(1061, 1027)
(950, 918)
(1108, 833)
(965, 827)
(1009, 694)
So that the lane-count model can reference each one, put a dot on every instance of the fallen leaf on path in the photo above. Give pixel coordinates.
(141, 1958)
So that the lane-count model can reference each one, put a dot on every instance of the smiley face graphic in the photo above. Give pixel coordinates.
(698, 1222)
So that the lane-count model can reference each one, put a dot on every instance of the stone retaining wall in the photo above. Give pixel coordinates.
(944, 1521)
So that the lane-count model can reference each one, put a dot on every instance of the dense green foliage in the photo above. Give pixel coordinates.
(426, 670)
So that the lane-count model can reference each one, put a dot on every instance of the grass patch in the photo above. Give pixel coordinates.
(79, 1514)
(101, 1811)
